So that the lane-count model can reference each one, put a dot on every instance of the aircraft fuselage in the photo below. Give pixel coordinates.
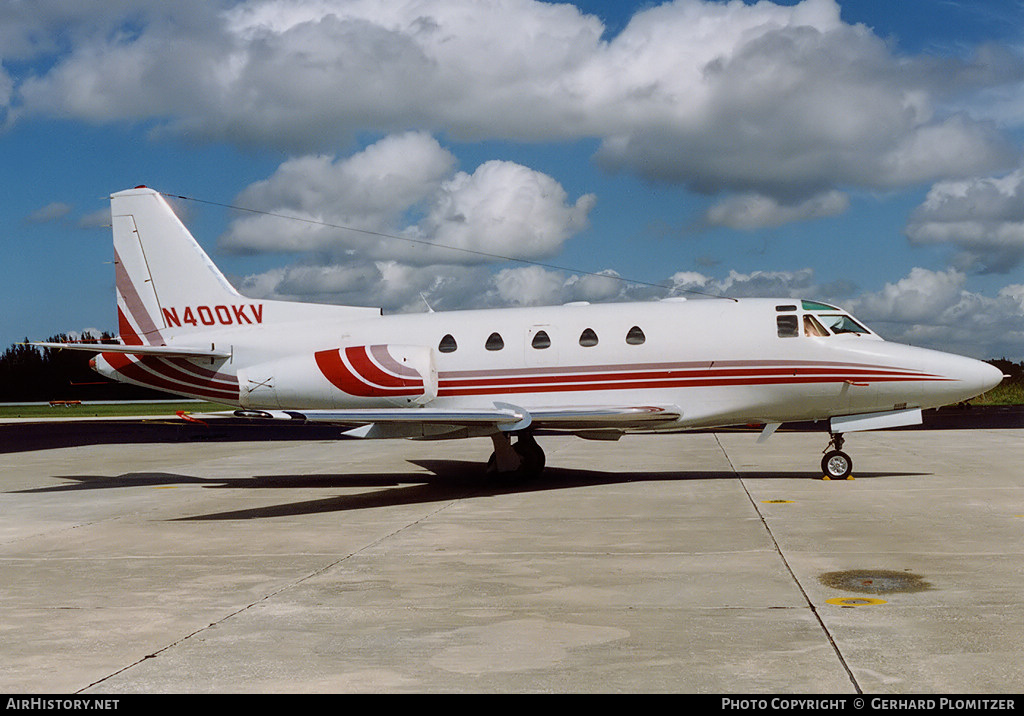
(719, 361)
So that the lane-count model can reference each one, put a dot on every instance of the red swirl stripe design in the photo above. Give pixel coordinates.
(354, 371)
(175, 376)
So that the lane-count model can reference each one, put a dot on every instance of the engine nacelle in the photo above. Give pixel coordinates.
(353, 377)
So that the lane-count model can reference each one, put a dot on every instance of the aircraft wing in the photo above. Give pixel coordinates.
(405, 422)
(604, 417)
(163, 351)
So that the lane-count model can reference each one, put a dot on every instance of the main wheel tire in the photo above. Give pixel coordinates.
(836, 465)
(532, 456)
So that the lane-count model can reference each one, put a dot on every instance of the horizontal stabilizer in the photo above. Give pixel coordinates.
(164, 351)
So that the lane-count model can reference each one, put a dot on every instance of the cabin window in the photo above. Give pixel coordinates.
(785, 308)
(813, 328)
(788, 326)
(541, 340)
(635, 336)
(588, 338)
(494, 342)
(447, 344)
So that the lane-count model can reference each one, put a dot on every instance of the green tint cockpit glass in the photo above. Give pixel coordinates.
(815, 306)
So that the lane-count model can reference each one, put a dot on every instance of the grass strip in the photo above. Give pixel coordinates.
(106, 410)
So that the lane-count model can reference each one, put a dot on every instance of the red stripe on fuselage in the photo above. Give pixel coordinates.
(169, 370)
(571, 386)
(185, 365)
(685, 375)
(838, 374)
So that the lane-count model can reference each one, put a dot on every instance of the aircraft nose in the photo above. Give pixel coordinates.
(975, 376)
(938, 378)
(991, 376)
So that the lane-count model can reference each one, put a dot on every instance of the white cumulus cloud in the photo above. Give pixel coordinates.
(787, 102)
(982, 216)
(406, 187)
(934, 309)
(754, 211)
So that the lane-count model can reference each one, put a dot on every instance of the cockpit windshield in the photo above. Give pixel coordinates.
(818, 320)
(813, 328)
(839, 323)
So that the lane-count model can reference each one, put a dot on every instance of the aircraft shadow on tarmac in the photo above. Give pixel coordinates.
(446, 480)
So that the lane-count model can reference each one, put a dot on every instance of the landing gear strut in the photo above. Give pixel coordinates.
(521, 460)
(836, 464)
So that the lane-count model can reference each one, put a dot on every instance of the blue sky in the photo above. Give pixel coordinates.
(863, 152)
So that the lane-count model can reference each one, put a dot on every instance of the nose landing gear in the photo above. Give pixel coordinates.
(836, 464)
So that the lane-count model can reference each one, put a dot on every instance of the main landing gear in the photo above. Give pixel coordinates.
(522, 460)
(836, 464)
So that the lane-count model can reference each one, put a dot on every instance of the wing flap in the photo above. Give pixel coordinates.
(365, 416)
(574, 417)
(502, 416)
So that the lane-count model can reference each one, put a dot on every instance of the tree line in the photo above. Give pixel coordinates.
(32, 374)
(1014, 370)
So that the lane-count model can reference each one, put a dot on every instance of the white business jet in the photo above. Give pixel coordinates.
(596, 371)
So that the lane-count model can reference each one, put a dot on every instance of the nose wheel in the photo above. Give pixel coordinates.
(836, 464)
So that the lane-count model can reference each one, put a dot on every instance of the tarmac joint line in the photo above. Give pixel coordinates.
(789, 569)
(268, 596)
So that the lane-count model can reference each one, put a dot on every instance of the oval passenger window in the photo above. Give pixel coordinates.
(447, 344)
(541, 340)
(494, 342)
(636, 336)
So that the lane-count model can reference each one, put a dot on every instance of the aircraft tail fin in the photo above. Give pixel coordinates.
(161, 270)
(168, 288)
